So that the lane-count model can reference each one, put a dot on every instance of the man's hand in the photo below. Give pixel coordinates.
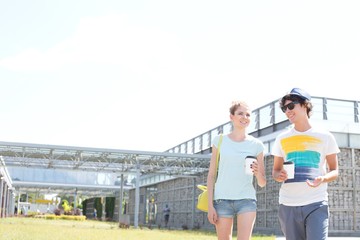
(317, 181)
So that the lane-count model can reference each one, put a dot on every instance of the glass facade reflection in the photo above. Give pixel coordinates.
(60, 176)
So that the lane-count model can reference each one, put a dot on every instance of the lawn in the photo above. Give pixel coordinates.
(18, 228)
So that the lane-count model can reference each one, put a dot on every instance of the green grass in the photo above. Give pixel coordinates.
(42, 229)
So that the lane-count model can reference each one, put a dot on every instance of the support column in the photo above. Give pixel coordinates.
(1, 196)
(18, 203)
(121, 197)
(193, 205)
(6, 202)
(9, 210)
(137, 197)
(103, 202)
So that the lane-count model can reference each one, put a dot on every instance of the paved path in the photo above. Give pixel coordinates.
(329, 238)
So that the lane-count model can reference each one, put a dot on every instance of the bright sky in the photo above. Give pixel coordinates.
(149, 75)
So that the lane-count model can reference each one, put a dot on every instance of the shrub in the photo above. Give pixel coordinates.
(57, 212)
(67, 207)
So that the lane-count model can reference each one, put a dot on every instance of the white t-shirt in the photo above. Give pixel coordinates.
(308, 151)
(232, 183)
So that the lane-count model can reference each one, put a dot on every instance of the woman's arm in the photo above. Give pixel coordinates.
(259, 170)
(212, 216)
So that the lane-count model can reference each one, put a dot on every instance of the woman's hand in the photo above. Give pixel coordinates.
(255, 167)
(212, 215)
(259, 171)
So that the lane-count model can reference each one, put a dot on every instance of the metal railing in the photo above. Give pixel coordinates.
(269, 119)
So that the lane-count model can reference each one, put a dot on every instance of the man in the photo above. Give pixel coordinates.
(166, 215)
(303, 209)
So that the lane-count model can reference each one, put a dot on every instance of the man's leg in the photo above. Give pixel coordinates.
(317, 221)
(292, 222)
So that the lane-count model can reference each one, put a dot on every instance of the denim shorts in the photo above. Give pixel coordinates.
(230, 208)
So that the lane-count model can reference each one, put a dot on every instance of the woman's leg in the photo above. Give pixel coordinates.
(224, 228)
(245, 225)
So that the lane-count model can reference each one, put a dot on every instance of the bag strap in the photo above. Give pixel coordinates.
(218, 155)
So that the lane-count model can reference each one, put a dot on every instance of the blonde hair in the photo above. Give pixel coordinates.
(236, 104)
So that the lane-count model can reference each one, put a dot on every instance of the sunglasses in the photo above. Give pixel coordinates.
(290, 106)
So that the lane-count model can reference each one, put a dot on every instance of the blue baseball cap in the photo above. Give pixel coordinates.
(301, 93)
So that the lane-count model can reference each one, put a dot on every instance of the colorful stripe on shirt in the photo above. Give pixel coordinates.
(304, 151)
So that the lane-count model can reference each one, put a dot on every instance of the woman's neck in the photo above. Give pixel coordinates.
(237, 135)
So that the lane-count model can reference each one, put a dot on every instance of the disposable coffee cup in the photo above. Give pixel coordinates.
(248, 161)
(289, 167)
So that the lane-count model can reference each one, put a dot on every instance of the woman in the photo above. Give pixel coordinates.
(231, 191)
